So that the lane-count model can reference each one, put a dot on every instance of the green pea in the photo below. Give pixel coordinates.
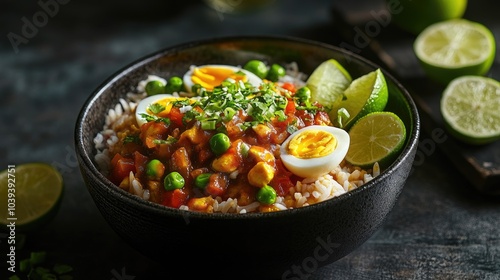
(202, 180)
(155, 169)
(303, 93)
(173, 180)
(154, 87)
(275, 73)
(219, 143)
(266, 195)
(257, 67)
(174, 84)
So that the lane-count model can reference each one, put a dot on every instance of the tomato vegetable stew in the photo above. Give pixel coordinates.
(227, 139)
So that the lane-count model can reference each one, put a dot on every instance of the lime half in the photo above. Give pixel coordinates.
(30, 194)
(376, 137)
(470, 106)
(364, 95)
(453, 48)
(327, 83)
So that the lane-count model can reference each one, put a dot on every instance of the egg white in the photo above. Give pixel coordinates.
(315, 167)
(251, 77)
(142, 107)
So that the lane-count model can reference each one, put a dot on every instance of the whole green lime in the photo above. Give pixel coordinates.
(415, 15)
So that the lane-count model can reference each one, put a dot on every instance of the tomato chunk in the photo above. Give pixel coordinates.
(121, 168)
(140, 162)
(281, 182)
(175, 116)
(289, 86)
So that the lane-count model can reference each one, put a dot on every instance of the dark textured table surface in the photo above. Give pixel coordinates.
(441, 227)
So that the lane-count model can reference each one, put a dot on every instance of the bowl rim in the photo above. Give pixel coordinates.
(87, 163)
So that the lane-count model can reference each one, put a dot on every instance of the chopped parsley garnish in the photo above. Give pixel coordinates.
(156, 108)
(223, 102)
(150, 118)
(169, 140)
(131, 139)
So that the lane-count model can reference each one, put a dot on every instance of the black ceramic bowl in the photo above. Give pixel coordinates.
(285, 244)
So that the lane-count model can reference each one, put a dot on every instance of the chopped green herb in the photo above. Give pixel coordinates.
(49, 276)
(197, 89)
(156, 108)
(25, 265)
(37, 257)
(62, 268)
(150, 118)
(291, 129)
(261, 104)
(31, 268)
(208, 124)
(244, 148)
(229, 113)
(181, 103)
(169, 140)
(131, 139)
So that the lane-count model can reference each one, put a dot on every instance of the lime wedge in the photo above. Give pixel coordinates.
(30, 195)
(454, 48)
(327, 83)
(364, 95)
(470, 107)
(376, 137)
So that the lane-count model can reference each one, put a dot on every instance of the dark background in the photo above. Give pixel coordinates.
(441, 227)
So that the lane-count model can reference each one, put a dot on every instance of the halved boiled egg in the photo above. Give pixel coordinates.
(314, 150)
(158, 105)
(212, 75)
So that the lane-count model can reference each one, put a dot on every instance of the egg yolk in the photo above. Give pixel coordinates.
(166, 103)
(312, 144)
(210, 77)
